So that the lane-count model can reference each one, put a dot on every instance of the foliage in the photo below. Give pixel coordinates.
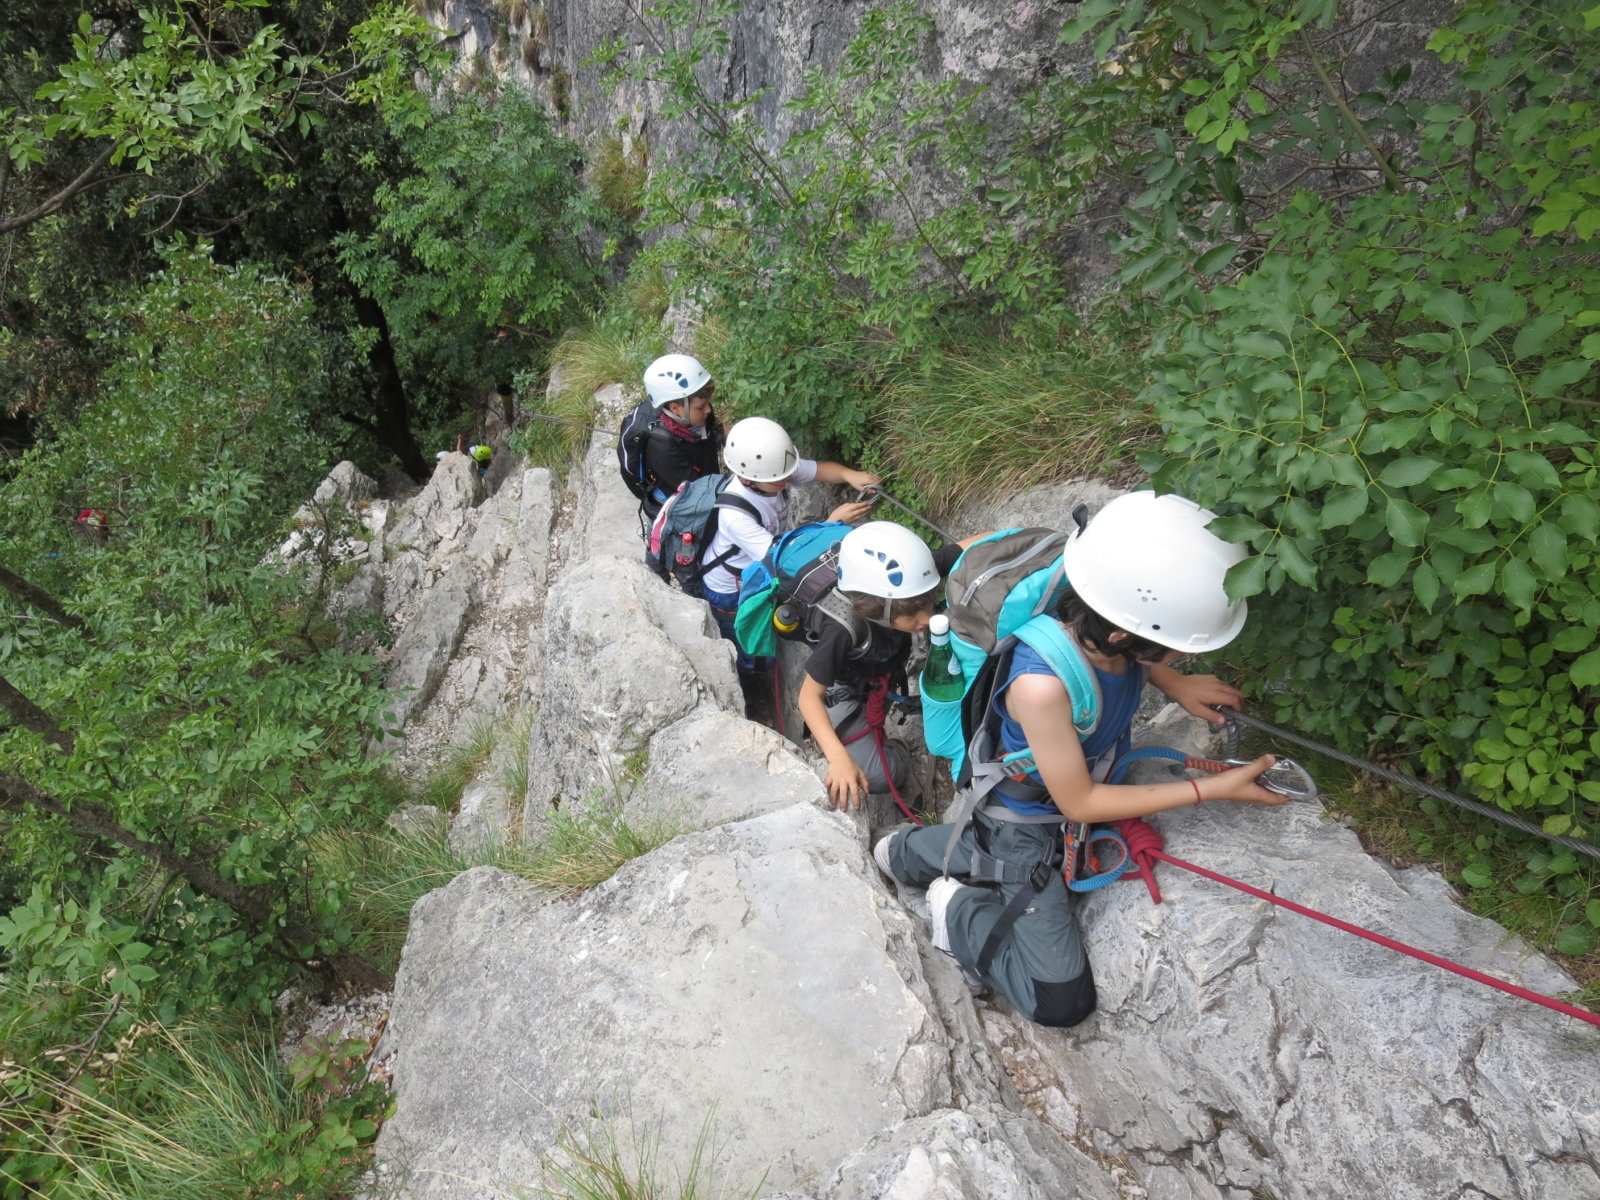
(189, 81)
(192, 1112)
(203, 728)
(1389, 392)
(615, 347)
(1047, 415)
(482, 254)
(837, 254)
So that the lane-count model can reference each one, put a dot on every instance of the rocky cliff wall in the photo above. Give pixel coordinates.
(756, 972)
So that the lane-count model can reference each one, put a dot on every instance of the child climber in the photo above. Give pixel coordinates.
(683, 442)
(891, 580)
(1146, 588)
(764, 463)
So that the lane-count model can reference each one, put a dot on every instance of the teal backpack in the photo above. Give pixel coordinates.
(1002, 591)
(800, 567)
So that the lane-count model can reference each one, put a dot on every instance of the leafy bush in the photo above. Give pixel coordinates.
(1389, 397)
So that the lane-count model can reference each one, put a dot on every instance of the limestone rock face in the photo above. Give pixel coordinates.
(753, 969)
(759, 967)
(623, 657)
(716, 767)
(1239, 1046)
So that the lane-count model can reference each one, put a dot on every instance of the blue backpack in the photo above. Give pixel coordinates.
(685, 527)
(800, 568)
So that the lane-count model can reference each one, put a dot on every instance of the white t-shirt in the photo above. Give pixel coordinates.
(750, 539)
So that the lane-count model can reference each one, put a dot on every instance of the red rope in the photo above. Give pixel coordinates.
(876, 713)
(1389, 943)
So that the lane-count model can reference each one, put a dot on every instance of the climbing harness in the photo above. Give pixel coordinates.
(875, 714)
(1235, 718)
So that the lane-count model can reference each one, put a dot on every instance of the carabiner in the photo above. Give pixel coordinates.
(1285, 777)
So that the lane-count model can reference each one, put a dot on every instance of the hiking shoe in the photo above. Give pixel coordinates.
(914, 899)
(940, 892)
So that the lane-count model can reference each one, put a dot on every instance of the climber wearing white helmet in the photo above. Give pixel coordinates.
(763, 461)
(891, 581)
(1146, 581)
(685, 437)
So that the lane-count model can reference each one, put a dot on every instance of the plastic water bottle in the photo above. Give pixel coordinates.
(786, 618)
(941, 674)
(685, 552)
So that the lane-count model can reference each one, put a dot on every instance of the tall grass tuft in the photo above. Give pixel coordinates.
(1001, 418)
(579, 846)
(198, 1113)
(614, 348)
(463, 760)
(574, 848)
(599, 1166)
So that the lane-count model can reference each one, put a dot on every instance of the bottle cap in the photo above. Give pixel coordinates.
(939, 625)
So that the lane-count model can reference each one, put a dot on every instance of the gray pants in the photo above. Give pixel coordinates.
(849, 719)
(1039, 967)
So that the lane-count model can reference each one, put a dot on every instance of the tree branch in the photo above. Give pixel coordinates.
(33, 718)
(36, 596)
(54, 203)
(89, 818)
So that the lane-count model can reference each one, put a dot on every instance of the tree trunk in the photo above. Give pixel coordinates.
(391, 414)
(39, 598)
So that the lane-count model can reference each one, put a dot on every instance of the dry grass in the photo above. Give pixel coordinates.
(1000, 419)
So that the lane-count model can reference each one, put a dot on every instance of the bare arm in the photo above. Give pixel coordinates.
(847, 783)
(1041, 705)
(832, 472)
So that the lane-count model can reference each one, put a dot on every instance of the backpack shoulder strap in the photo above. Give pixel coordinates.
(724, 500)
(836, 608)
(1061, 652)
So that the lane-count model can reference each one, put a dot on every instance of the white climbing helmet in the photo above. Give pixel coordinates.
(672, 377)
(759, 450)
(881, 558)
(1148, 564)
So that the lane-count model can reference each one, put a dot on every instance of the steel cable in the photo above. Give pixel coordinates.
(1236, 718)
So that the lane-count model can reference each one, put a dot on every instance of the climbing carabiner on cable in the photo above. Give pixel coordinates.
(1285, 777)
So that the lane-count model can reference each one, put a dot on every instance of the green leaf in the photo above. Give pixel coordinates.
(1477, 876)
(1577, 939)
(1474, 581)
(1388, 569)
(1217, 257)
(1518, 583)
(1585, 672)
(1343, 506)
(1425, 582)
(1405, 521)
(1532, 336)
(1403, 472)
(1247, 578)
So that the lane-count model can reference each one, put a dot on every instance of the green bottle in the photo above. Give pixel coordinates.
(941, 674)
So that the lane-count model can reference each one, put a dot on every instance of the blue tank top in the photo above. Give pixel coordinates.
(1119, 700)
